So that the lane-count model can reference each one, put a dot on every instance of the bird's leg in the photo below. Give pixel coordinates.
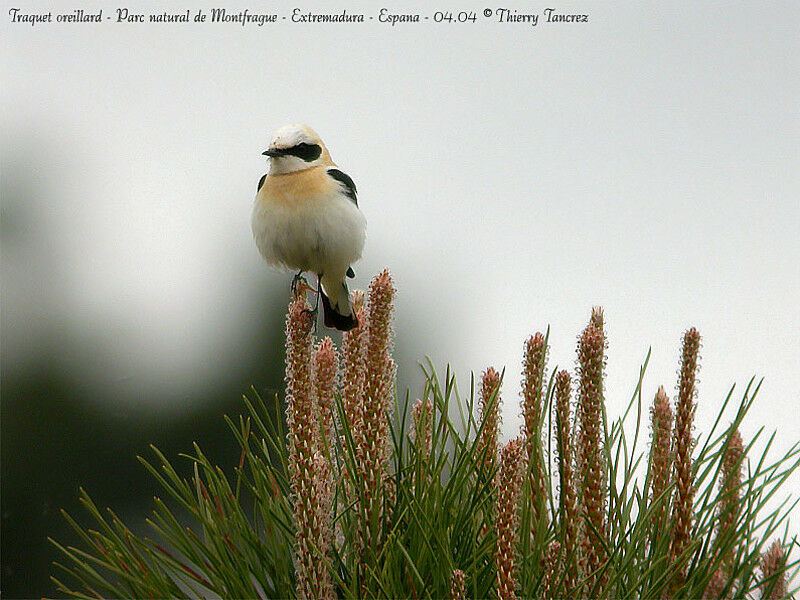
(319, 291)
(315, 311)
(296, 280)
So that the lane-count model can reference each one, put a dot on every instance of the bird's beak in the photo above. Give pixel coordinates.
(273, 153)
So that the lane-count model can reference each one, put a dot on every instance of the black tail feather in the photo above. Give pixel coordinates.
(334, 320)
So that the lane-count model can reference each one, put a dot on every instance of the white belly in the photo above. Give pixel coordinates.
(322, 235)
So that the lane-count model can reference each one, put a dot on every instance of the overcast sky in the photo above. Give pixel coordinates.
(512, 177)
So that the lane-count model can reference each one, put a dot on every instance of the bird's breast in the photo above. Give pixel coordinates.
(298, 188)
(303, 221)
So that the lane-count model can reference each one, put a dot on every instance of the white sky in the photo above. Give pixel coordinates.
(511, 176)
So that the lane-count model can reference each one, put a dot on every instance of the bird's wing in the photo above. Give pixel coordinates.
(261, 182)
(349, 188)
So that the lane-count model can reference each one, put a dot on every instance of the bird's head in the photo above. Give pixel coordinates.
(295, 148)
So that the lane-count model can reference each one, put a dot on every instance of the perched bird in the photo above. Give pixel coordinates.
(306, 218)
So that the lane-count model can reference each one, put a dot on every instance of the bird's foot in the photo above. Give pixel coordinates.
(312, 313)
(297, 279)
(300, 285)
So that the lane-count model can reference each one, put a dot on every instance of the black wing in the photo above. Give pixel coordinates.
(347, 183)
(261, 182)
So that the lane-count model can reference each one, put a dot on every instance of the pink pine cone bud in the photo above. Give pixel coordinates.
(353, 376)
(534, 360)
(597, 318)
(569, 516)
(421, 435)
(551, 569)
(730, 506)
(533, 365)
(422, 415)
(299, 387)
(490, 417)
(320, 530)
(773, 564)
(591, 362)
(508, 485)
(309, 470)
(379, 398)
(683, 445)
(380, 366)
(372, 434)
(354, 370)
(715, 586)
(458, 587)
(326, 364)
(660, 456)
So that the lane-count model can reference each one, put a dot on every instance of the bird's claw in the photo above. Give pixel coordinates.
(297, 279)
(312, 313)
(300, 285)
(299, 288)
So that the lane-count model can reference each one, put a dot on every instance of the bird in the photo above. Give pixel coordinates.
(306, 218)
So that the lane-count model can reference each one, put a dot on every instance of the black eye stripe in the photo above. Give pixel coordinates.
(307, 152)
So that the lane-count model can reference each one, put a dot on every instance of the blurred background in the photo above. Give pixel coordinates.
(512, 177)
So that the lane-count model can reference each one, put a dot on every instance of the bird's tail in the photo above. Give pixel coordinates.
(336, 305)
